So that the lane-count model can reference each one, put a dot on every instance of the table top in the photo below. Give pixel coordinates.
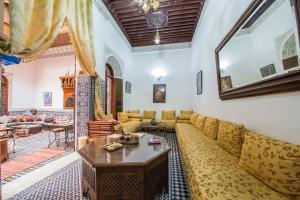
(67, 124)
(149, 125)
(139, 154)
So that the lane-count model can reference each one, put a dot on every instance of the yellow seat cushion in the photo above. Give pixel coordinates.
(184, 116)
(122, 117)
(168, 115)
(199, 124)
(214, 174)
(274, 162)
(210, 128)
(194, 118)
(131, 126)
(183, 121)
(149, 114)
(146, 120)
(186, 112)
(135, 119)
(230, 137)
(134, 111)
(170, 124)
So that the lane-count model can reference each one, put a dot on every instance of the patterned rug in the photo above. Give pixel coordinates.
(30, 144)
(26, 146)
(66, 183)
(13, 167)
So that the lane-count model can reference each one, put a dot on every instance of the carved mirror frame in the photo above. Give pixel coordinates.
(281, 83)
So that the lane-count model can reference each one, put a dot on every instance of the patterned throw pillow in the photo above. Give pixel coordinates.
(230, 137)
(194, 118)
(199, 124)
(274, 162)
(169, 115)
(184, 116)
(149, 114)
(133, 115)
(122, 117)
(210, 128)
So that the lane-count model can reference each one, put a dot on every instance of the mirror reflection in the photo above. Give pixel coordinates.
(266, 45)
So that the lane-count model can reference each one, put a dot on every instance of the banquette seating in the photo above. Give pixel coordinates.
(224, 161)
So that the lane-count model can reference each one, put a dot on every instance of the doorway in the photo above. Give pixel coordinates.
(113, 92)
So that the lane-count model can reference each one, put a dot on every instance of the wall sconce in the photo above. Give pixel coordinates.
(159, 73)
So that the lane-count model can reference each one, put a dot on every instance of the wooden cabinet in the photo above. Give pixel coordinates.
(3, 150)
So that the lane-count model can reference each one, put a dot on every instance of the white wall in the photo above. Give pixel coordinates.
(109, 42)
(176, 65)
(28, 81)
(272, 115)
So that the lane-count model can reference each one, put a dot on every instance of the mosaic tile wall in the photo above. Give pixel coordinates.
(84, 94)
(102, 81)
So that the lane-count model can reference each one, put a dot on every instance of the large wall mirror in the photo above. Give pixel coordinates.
(261, 53)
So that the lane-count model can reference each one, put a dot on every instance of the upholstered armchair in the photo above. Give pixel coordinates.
(126, 125)
(134, 115)
(169, 118)
(149, 115)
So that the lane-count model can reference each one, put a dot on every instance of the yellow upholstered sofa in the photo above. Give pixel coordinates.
(169, 118)
(224, 161)
(128, 124)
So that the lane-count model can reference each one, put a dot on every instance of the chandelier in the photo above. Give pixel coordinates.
(147, 5)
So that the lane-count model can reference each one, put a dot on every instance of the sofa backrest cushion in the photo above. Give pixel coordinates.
(122, 117)
(133, 115)
(231, 137)
(168, 115)
(186, 112)
(274, 162)
(185, 116)
(194, 118)
(210, 128)
(149, 114)
(200, 121)
(134, 111)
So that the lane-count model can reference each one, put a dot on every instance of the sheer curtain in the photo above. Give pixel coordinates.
(35, 24)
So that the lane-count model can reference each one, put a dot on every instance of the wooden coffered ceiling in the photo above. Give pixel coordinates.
(183, 17)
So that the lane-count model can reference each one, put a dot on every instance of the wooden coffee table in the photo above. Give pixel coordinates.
(132, 172)
(154, 128)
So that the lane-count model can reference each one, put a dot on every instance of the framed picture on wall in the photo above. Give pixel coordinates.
(47, 97)
(199, 82)
(159, 93)
(226, 83)
(267, 70)
(128, 87)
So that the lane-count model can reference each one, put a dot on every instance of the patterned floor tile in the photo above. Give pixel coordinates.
(66, 183)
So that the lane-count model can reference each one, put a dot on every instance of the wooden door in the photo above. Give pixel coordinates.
(117, 97)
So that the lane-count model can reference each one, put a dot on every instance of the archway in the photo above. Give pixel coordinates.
(289, 53)
(113, 86)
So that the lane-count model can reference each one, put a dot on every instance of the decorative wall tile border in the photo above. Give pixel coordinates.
(55, 113)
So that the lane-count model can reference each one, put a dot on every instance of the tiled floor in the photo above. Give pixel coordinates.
(65, 183)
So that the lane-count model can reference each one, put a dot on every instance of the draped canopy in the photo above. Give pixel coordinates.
(35, 24)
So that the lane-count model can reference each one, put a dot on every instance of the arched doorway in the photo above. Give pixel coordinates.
(113, 87)
(4, 82)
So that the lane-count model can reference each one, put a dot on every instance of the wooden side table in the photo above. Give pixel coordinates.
(3, 149)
